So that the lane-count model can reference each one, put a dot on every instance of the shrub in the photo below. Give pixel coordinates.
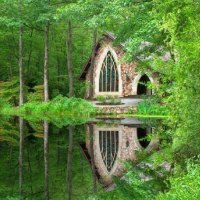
(37, 95)
(149, 107)
(58, 106)
(101, 98)
(114, 100)
(109, 99)
(184, 186)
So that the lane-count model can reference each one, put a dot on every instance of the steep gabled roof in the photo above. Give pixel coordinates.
(108, 35)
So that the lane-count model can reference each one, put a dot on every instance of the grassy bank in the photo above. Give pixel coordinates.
(76, 107)
(59, 106)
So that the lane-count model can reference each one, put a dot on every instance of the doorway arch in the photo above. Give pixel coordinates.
(140, 85)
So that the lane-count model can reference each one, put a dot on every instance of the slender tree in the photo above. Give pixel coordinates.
(21, 95)
(46, 62)
(69, 58)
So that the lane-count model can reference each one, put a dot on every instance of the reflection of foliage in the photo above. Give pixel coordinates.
(138, 182)
(33, 166)
(58, 121)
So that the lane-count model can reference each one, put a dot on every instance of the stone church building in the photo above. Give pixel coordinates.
(111, 75)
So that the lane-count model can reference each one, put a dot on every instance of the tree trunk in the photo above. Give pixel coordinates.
(46, 63)
(91, 92)
(21, 141)
(29, 54)
(69, 58)
(69, 164)
(46, 160)
(21, 89)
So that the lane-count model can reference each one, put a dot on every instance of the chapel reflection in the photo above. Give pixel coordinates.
(114, 144)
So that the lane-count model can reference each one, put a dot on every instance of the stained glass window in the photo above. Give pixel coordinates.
(109, 77)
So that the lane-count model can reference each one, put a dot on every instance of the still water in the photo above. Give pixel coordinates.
(39, 160)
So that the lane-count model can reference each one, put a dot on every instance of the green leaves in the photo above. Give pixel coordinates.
(186, 186)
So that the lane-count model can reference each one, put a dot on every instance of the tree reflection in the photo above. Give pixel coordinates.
(21, 143)
(69, 163)
(46, 159)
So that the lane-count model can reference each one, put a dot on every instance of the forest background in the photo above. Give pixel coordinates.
(45, 44)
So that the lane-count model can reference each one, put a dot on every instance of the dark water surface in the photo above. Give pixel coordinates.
(39, 160)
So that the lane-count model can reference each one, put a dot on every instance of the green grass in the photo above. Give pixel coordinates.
(59, 106)
(149, 108)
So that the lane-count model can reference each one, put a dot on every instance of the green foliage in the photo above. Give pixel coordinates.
(8, 131)
(37, 95)
(101, 98)
(185, 186)
(33, 165)
(112, 100)
(59, 106)
(131, 186)
(166, 26)
(9, 91)
(149, 107)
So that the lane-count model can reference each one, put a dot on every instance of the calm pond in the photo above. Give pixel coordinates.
(39, 160)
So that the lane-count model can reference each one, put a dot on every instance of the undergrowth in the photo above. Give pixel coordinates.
(150, 107)
(58, 106)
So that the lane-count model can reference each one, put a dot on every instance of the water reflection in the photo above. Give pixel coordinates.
(48, 163)
(46, 159)
(112, 144)
(69, 163)
(21, 143)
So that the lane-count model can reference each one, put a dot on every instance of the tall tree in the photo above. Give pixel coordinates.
(69, 58)
(46, 62)
(21, 95)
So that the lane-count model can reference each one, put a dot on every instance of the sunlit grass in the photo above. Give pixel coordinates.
(59, 106)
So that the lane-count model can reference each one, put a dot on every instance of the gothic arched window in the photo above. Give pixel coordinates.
(109, 145)
(109, 77)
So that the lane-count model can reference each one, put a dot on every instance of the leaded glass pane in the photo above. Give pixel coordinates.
(108, 80)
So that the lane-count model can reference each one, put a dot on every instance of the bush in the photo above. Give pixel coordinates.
(113, 100)
(58, 106)
(101, 98)
(184, 186)
(149, 107)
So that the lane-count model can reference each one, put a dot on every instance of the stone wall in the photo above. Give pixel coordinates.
(116, 110)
